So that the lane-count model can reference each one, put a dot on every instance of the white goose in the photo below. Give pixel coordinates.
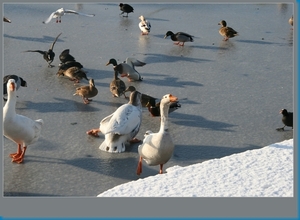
(60, 12)
(144, 25)
(121, 126)
(157, 148)
(18, 128)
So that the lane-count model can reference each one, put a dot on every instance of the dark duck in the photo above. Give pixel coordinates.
(125, 8)
(287, 119)
(47, 55)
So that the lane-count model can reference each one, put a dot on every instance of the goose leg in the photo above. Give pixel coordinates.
(134, 140)
(21, 157)
(161, 169)
(18, 153)
(139, 167)
(94, 132)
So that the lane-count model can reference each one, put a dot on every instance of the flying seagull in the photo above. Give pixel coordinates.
(60, 12)
(47, 55)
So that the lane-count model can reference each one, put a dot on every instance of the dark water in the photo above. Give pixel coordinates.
(231, 92)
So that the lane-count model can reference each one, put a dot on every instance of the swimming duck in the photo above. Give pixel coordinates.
(154, 108)
(5, 19)
(291, 20)
(18, 80)
(65, 56)
(145, 99)
(60, 12)
(287, 119)
(117, 86)
(127, 69)
(157, 148)
(226, 32)
(179, 37)
(144, 25)
(74, 73)
(125, 8)
(47, 55)
(87, 92)
(18, 128)
(121, 126)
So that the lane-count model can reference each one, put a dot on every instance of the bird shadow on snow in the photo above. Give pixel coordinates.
(44, 39)
(171, 81)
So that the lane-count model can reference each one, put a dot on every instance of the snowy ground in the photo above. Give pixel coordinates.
(266, 172)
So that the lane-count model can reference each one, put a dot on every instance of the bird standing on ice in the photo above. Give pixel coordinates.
(144, 25)
(60, 12)
(18, 128)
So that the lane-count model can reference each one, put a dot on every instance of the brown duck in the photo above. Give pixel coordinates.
(226, 32)
(87, 92)
(73, 73)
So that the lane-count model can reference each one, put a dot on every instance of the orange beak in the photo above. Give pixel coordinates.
(173, 98)
(12, 87)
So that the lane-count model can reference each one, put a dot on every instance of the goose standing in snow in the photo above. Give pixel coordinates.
(121, 126)
(127, 69)
(179, 37)
(157, 148)
(18, 80)
(18, 128)
(60, 12)
(144, 25)
(47, 55)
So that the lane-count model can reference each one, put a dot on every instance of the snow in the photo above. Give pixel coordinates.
(265, 172)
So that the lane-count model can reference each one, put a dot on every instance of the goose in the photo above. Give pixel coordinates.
(121, 126)
(87, 92)
(5, 19)
(47, 55)
(117, 86)
(18, 128)
(145, 99)
(60, 12)
(144, 25)
(127, 69)
(125, 8)
(179, 37)
(287, 119)
(73, 73)
(154, 108)
(18, 80)
(157, 148)
(226, 32)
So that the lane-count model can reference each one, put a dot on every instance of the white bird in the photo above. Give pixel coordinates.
(157, 148)
(121, 126)
(144, 25)
(60, 12)
(18, 128)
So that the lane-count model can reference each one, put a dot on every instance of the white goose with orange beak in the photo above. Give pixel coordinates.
(18, 128)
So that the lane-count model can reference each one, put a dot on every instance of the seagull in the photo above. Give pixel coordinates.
(60, 12)
(47, 55)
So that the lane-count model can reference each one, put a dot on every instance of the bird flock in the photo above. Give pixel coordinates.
(122, 126)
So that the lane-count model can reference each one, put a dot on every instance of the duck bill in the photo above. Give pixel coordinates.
(107, 64)
(173, 98)
(165, 36)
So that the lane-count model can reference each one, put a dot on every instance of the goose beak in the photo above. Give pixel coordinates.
(173, 98)
(12, 87)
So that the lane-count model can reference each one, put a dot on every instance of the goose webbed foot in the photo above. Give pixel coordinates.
(94, 132)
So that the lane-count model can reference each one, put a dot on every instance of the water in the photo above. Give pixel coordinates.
(231, 92)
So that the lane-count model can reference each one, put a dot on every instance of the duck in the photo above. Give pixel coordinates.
(68, 64)
(18, 80)
(117, 86)
(291, 20)
(87, 92)
(154, 108)
(121, 126)
(125, 8)
(144, 25)
(127, 69)
(145, 99)
(65, 56)
(287, 119)
(18, 128)
(73, 73)
(157, 148)
(226, 32)
(180, 37)
(47, 55)
(60, 12)
(5, 19)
